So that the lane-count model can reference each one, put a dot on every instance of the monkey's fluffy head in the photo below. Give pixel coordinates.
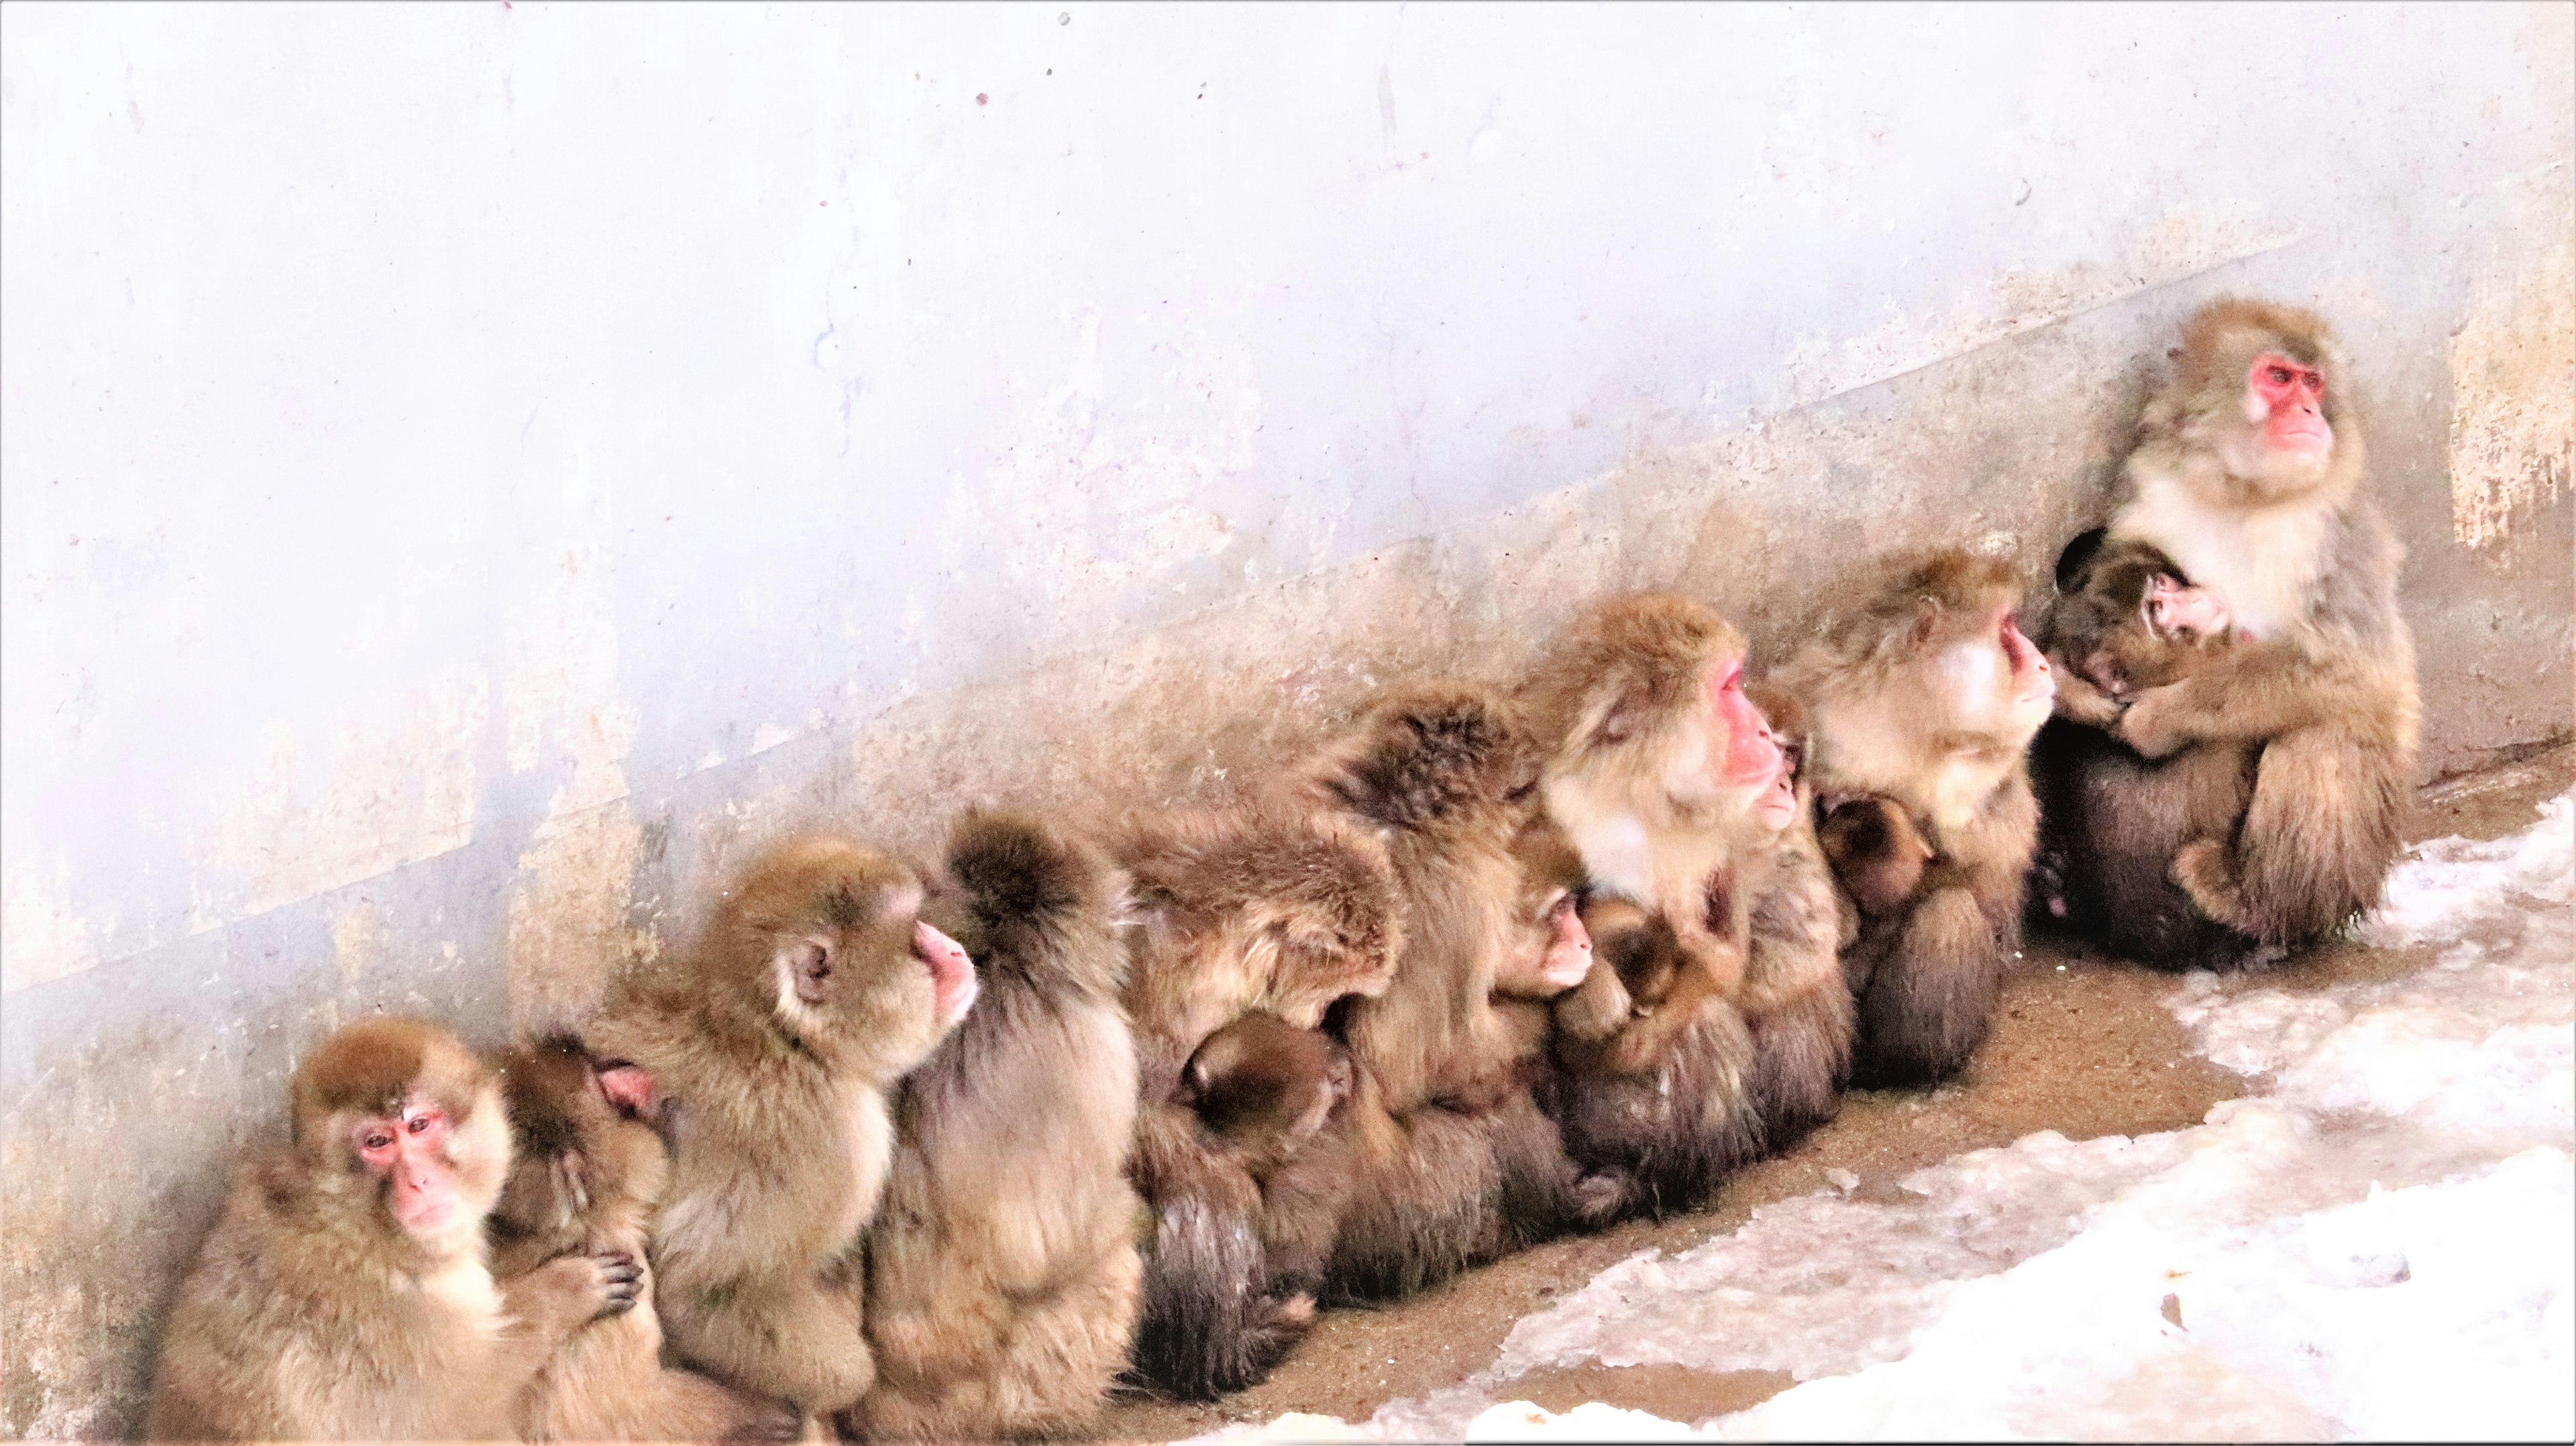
(819, 937)
(2207, 405)
(375, 1067)
(1430, 755)
(1031, 900)
(1627, 671)
(2097, 625)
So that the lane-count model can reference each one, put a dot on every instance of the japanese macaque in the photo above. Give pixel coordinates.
(775, 1043)
(2247, 474)
(1265, 1088)
(1003, 1277)
(586, 1174)
(1659, 770)
(346, 1293)
(1927, 697)
(2112, 823)
(1451, 1160)
(1793, 998)
(1270, 909)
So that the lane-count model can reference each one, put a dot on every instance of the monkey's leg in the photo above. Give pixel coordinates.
(1927, 1005)
(2318, 840)
(796, 1338)
(1064, 1352)
(1801, 1060)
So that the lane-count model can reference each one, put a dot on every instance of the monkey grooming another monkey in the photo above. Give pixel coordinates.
(586, 1174)
(1927, 697)
(1003, 1276)
(345, 1293)
(1656, 769)
(2112, 823)
(1272, 909)
(2248, 473)
(1451, 1160)
(775, 1043)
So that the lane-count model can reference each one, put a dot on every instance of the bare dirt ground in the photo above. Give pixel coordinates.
(2082, 1044)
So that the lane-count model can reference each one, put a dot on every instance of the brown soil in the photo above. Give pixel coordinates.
(2082, 1044)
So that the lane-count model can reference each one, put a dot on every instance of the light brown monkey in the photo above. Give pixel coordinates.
(1271, 909)
(1451, 1161)
(1927, 696)
(817, 985)
(1656, 769)
(2248, 473)
(1793, 999)
(2112, 823)
(1003, 1277)
(345, 1294)
(585, 1175)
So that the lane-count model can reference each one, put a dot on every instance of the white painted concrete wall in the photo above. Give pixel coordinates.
(446, 446)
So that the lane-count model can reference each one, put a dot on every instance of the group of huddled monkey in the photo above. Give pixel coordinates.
(947, 1152)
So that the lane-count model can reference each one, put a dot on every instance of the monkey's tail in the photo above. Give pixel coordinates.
(1210, 1324)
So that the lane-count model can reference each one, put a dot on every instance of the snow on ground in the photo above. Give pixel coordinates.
(2381, 1244)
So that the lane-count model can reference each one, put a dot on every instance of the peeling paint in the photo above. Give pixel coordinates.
(2513, 400)
(569, 934)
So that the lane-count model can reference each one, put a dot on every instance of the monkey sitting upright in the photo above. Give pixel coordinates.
(1003, 1275)
(2114, 825)
(587, 1175)
(345, 1294)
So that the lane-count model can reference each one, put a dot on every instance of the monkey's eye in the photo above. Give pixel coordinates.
(376, 1140)
(419, 1124)
(2280, 376)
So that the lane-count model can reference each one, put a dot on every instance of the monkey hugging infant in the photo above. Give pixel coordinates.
(948, 1150)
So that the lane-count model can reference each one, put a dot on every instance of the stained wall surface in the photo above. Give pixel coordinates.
(470, 471)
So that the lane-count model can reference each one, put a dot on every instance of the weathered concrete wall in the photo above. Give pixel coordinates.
(468, 470)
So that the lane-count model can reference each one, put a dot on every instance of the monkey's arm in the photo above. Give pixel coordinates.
(2078, 701)
(1592, 1011)
(2252, 692)
(552, 1301)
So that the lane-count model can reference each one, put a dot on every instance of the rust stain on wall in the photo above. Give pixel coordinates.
(2513, 400)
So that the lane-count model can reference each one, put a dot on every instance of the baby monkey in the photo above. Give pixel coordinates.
(2127, 620)
(1265, 1087)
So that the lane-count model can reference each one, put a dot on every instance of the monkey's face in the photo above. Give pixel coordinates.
(1723, 752)
(1551, 951)
(2268, 416)
(2132, 624)
(400, 1113)
(828, 939)
(1993, 681)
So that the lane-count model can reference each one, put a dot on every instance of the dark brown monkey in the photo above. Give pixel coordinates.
(775, 1043)
(585, 1175)
(1927, 697)
(1003, 1276)
(345, 1294)
(2248, 474)
(1451, 1160)
(1656, 770)
(1265, 1088)
(1877, 854)
(2112, 823)
(1271, 909)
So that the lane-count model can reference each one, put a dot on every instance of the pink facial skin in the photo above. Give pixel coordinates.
(2293, 401)
(2032, 681)
(1779, 803)
(631, 1088)
(409, 1150)
(952, 974)
(1569, 954)
(2172, 610)
(1752, 755)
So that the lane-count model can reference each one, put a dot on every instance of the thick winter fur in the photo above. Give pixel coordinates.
(780, 1133)
(2324, 685)
(587, 1175)
(1452, 1163)
(312, 1314)
(1275, 908)
(2112, 823)
(1003, 1276)
(1264, 1088)
(1654, 1064)
(1915, 698)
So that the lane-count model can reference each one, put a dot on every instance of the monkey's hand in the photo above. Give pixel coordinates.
(570, 1291)
(2152, 724)
(1595, 1009)
(2080, 701)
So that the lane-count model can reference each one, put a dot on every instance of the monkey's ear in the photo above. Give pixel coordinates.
(804, 968)
(1616, 716)
(2077, 557)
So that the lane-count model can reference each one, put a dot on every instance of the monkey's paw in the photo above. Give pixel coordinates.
(1604, 1195)
(621, 1278)
(2148, 725)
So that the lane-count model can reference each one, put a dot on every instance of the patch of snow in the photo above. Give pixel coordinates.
(2383, 1244)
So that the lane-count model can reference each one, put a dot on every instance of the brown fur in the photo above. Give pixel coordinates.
(2112, 823)
(1276, 909)
(2325, 685)
(313, 1314)
(1452, 1162)
(586, 1176)
(1914, 699)
(1265, 1088)
(1654, 1063)
(1794, 999)
(1003, 1277)
(780, 1134)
